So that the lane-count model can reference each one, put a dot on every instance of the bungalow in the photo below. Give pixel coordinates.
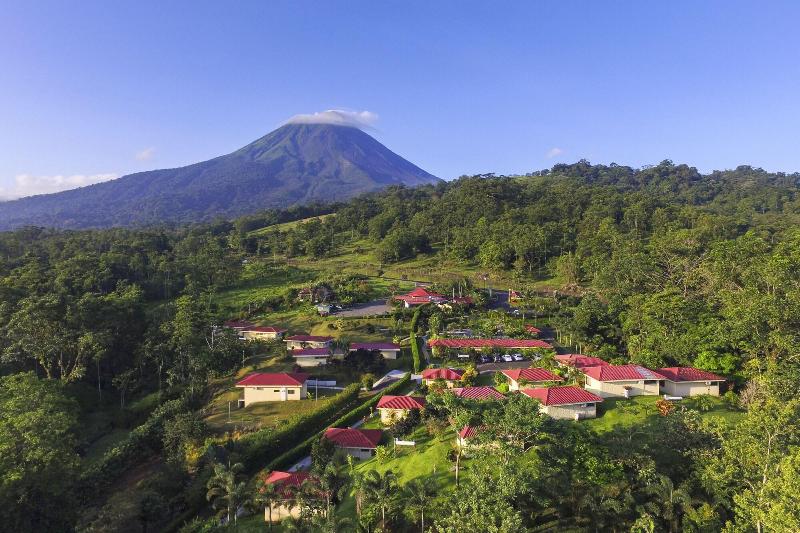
(286, 483)
(263, 387)
(478, 344)
(533, 330)
(622, 381)
(262, 333)
(466, 433)
(296, 342)
(311, 356)
(238, 325)
(360, 443)
(393, 408)
(579, 361)
(420, 296)
(688, 381)
(533, 377)
(478, 393)
(449, 375)
(565, 402)
(388, 350)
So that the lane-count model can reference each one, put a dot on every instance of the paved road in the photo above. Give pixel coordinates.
(494, 367)
(373, 308)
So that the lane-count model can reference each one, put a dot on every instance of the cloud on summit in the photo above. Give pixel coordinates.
(29, 185)
(339, 117)
(146, 154)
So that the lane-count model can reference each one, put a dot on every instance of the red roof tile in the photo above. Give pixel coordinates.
(450, 374)
(309, 338)
(401, 402)
(562, 395)
(468, 432)
(265, 329)
(532, 329)
(286, 482)
(311, 352)
(687, 373)
(620, 373)
(478, 393)
(531, 374)
(369, 346)
(489, 343)
(580, 361)
(354, 438)
(283, 379)
(420, 292)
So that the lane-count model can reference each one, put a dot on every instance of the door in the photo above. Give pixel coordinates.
(283, 394)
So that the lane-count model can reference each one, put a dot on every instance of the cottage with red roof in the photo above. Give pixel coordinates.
(298, 342)
(388, 350)
(280, 387)
(533, 330)
(622, 381)
(238, 325)
(441, 345)
(393, 408)
(420, 296)
(465, 435)
(688, 381)
(519, 378)
(566, 403)
(311, 356)
(450, 376)
(579, 361)
(360, 443)
(478, 393)
(286, 484)
(267, 333)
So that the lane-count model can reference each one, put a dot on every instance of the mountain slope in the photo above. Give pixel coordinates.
(297, 163)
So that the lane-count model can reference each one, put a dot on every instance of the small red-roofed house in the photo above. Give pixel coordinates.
(393, 408)
(360, 443)
(311, 356)
(450, 376)
(533, 330)
(280, 387)
(286, 483)
(622, 381)
(688, 381)
(299, 342)
(478, 393)
(466, 433)
(579, 361)
(267, 333)
(420, 296)
(529, 377)
(388, 350)
(567, 403)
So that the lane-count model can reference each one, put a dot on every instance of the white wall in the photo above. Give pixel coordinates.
(273, 394)
(608, 389)
(691, 388)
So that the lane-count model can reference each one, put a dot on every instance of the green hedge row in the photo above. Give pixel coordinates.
(414, 342)
(262, 446)
(301, 450)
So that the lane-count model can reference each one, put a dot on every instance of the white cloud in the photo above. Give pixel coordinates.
(28, 185)
(339, 117)
(554, 152)
(146, 154)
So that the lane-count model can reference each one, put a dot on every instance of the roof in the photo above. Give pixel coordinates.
(284, 379)
(311, 352)
(532, 329)
(309, 338)
(490, 343)
(373, 346)
(354, 438)
(285, 482)
(401, 402)
(265, 329)
(464, 300)
(687, 373)
(478, 393)
(580, 361)
(421, 295)
(237, 324)
(621, 373)
(531, 374)
(423, 292)
(468, 432)
(562, 395)
(450, 374)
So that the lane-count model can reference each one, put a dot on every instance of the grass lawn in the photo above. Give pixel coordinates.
(258, 415)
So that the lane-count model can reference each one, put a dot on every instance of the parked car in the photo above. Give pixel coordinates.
(463, 357)
(498, 358)
(507, 358)
(486, 359)
(517, 357)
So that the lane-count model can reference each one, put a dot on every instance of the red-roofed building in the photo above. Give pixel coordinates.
(252, 333)
(688, 381)
(533, 330)
(393, 408)
(360, 443)
(565, 402)
(530, 377)
(466, 433)
(579, 361)
(388, 350)
(451, 376)
(420, 296)
(311, 356)
(238, 325)
(298, 342)
(477, 344)
(280, 387)
(286, 483)
(478, 393)
(622, 380)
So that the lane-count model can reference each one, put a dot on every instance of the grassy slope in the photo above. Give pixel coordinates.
(619, 412)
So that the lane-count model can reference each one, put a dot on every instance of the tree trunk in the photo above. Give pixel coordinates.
(422, 515)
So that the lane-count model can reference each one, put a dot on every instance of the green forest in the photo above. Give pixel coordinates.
(113, 356)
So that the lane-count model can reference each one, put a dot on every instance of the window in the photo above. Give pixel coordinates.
(276, 390)
(291, 391)
(649, 382)
(365, 450)
(259, 388)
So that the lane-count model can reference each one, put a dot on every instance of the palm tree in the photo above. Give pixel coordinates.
(225, 492)
(382, 491)
(334, 480)
(331, 524)
(417, 494)
(669, 502)
(265, 497)
(601, 505)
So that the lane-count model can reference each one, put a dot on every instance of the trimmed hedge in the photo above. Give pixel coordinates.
(414, 342)
(262, 446)
(302, 449)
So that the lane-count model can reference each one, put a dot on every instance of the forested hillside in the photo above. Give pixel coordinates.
(110, 353)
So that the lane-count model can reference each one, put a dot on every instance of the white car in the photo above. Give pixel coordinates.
(517, 357)
(507, 358)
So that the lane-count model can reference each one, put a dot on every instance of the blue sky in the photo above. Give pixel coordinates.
(90, 90)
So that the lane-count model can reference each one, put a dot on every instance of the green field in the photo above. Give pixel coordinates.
(621, 412)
